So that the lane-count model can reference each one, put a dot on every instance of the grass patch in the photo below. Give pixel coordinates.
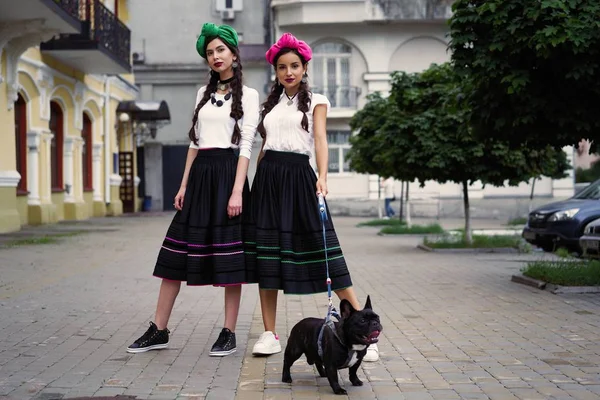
(382, 222)
(565, 273)
(479, 242)
(414, 229)
(517, 221)
(562, 252)
(46, 239)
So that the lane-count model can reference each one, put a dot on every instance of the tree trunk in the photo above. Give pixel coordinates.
(408, 221)
(531, 195)
(402, 201)
(379, 210)
(468, 233)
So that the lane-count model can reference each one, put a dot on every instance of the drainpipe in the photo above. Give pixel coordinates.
(107, 149)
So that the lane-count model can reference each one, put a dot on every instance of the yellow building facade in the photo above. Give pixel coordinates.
(60, 86)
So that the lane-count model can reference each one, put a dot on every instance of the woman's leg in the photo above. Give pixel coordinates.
(166, 299)
(233, 295)
(268, 342)
(350, 295)
(268, 306)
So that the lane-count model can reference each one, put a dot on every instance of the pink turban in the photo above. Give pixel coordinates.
(289, 41)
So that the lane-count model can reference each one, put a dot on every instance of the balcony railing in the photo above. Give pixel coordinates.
(103, 36)
(70, 6)
(340, 96)
(412, 9)
(103, 27)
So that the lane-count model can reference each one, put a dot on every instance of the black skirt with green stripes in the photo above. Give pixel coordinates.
(284, 235)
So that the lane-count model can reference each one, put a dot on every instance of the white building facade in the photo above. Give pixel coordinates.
(357, 44)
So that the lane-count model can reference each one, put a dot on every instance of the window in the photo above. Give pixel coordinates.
(331, 74)
(86, 154)
(56, 149)
(21, 143)
(339, 145)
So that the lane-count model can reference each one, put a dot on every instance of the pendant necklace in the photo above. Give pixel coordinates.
(224, 85)
(290, 99)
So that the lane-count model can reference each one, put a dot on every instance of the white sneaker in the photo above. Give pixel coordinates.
(268, 343)
(372, 353)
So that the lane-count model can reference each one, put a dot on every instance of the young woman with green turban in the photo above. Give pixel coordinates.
(204, 244)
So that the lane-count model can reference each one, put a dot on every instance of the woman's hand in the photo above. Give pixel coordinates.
(179, 199)
(322, 186)
(234, 208)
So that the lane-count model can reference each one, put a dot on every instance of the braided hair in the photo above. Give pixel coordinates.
(277, 90)
(237, 86)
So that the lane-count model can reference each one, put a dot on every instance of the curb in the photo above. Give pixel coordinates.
(507, 250)
(554, 289)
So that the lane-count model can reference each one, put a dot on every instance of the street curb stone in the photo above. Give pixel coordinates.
(469, 250)
(555, 289)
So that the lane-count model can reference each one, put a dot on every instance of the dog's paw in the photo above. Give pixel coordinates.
(340, 391)
(287, 378)
(356, 382)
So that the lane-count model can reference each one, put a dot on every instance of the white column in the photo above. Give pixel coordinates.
(33, 167)
(96, 169)
(47, 193)
(338, 82)
(68, 147)
(78, 164)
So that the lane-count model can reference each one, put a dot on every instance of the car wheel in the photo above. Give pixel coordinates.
(548, 248)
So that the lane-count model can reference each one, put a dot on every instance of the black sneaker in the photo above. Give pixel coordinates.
(153, 339)
(224, 345)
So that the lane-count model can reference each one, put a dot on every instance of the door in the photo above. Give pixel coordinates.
(173, 165)
(127, 185)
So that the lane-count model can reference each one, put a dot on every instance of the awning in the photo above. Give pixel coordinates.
(145, 110)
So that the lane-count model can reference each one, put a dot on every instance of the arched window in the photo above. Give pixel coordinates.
(57, 144)
(86, 157)
(331, 73)
(21, 142)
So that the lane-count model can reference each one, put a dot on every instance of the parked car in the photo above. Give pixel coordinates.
(562, 223)
(590, 241)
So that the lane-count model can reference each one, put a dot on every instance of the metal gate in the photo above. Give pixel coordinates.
(126, 190)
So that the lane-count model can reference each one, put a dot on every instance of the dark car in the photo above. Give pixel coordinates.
(561, 224)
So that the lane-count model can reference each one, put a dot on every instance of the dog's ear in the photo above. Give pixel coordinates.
(368, 303)
(346, 308)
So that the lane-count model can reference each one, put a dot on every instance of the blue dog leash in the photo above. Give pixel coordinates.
(331, 311)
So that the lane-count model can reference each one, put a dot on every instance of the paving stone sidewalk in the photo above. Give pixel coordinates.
(455, 327)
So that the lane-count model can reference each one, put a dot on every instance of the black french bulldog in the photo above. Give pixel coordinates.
(342, 348)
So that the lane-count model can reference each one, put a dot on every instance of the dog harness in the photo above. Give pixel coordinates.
(331, 311)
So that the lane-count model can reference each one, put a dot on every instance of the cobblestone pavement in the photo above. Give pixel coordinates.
(455, 327)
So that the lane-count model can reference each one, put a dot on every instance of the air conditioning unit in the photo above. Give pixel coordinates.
(228, 15)
(139, 57)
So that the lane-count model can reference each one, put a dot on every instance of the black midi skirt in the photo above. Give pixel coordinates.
(284, 229)
(203, 246)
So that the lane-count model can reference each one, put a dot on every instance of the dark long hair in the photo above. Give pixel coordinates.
(237, 86)
(277, 90)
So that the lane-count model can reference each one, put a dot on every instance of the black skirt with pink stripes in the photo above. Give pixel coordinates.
(203, 246)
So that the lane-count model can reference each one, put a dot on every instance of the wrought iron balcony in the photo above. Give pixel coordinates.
(410, 9)
(340, 96)
(102, 47)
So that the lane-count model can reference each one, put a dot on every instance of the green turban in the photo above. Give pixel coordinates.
(224, 32)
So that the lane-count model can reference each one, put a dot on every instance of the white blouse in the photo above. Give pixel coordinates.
(284, 126)
(215, 126)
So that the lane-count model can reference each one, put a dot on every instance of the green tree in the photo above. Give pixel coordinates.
(420, 132)
(534, 66)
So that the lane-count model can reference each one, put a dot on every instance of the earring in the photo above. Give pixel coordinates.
(277, 82)
(235, 64)
(304, 78)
